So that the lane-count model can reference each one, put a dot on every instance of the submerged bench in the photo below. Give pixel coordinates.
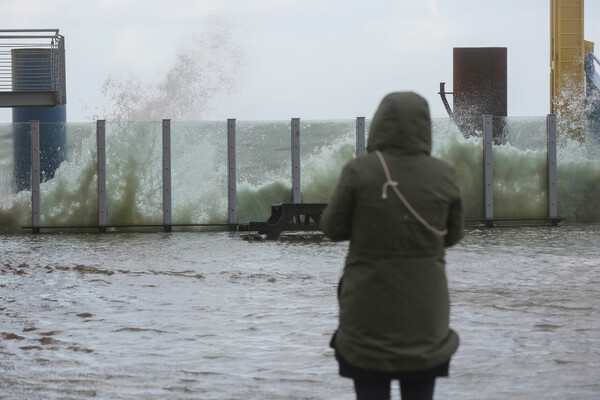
(288, 217)
(307, 217)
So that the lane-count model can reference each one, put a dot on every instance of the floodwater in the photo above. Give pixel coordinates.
(212, 315)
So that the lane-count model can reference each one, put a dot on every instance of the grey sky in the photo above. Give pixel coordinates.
(314, 59)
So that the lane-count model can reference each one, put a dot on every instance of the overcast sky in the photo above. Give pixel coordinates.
(313, 59)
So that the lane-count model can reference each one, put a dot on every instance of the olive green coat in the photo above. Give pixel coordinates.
(393, 298)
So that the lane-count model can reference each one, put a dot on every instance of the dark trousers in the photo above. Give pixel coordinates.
(410, 389)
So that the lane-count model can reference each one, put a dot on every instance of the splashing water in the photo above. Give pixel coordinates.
(207, 65)
(199, 172)
(570, 106)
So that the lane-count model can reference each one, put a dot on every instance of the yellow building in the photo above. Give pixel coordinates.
(568, 51)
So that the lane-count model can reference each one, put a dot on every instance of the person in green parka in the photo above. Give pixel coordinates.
(400, 208)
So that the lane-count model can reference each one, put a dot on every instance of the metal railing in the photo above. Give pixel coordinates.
(32, 61)
(489, 218)
(595, 58)
(167, 224)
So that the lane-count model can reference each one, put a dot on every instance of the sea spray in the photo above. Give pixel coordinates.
(207, 65)
(323, 170)
(6, 161)
(199, 173)
(325, 147)
(520, 171)
(134, 174)
(15, 211)
(579, 190)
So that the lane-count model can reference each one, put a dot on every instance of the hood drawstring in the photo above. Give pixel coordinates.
(394, 185)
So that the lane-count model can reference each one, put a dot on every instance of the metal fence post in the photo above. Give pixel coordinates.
(488, 171)
(101, 150)
(166, 159)
(552, 169)
(296, 188)
(231, 176)
(360, 136)
(34, 127)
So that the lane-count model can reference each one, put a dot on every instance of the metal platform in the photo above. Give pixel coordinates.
(32, 68)
(288, 217)
(29, 99)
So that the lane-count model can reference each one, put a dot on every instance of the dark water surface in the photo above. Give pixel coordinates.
(209, 315)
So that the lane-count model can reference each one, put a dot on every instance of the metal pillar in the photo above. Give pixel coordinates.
(488, 171)
(101, 150)
(32, 71)
(34, 127)
(552, 169)
(296, 188)
(480, 88)
(166, 159)
(232, 179)
(360, 136)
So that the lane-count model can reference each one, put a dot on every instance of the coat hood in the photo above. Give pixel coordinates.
(402, 122)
